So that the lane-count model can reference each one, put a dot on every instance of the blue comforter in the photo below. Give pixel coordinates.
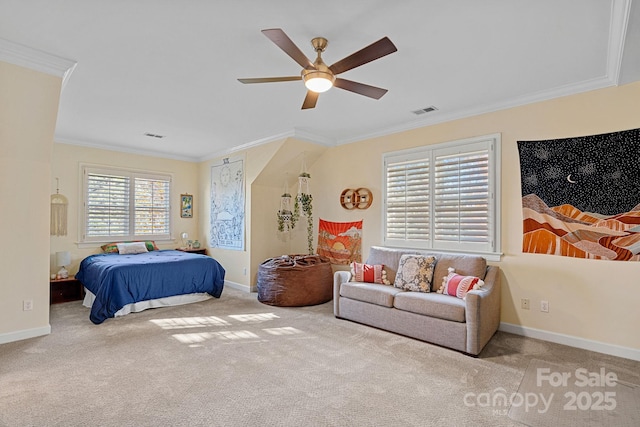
(117, 280)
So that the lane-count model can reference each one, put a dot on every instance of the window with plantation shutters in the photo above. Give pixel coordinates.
(444, 196)
(125, 205)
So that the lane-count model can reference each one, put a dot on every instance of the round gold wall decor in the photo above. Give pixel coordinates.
(360, 198)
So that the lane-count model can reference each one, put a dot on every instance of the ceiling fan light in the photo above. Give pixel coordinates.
(318, 81)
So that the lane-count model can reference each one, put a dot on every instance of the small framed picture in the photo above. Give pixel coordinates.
(186, 206)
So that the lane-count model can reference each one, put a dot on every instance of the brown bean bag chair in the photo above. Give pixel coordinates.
(295, 280)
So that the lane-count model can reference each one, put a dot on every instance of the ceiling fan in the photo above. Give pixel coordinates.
(317, 76)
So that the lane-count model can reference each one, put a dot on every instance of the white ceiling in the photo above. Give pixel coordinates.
(169, 67)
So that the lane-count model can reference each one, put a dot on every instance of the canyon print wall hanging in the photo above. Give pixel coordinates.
(581, 196)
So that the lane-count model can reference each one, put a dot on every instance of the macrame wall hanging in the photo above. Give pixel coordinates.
(59, 205)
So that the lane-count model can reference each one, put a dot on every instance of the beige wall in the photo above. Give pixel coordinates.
(28, 111)
(66, 161)
(590, 300)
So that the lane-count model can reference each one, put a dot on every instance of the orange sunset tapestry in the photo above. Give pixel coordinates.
(581, 196)
(341, 242)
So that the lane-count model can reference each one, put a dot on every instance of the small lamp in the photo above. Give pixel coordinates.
(184, 236)
(62, 260)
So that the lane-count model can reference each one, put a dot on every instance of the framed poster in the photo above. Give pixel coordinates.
(186, 206)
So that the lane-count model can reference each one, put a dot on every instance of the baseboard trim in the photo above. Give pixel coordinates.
(239, 286)
(24, 334)
(597, 346)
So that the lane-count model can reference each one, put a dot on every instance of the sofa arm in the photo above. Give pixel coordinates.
(483, 311)
(339, 277)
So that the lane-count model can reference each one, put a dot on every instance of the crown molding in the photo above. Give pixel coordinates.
(293, 133)
(442, 117)
(122, 149)
(620, 13)
(36, 60)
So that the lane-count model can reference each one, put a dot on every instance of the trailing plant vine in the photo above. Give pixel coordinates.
(307, 208)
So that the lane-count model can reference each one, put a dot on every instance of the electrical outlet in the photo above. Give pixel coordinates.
(544, 306)
(244, 271)
(27, 305)
(524, 303)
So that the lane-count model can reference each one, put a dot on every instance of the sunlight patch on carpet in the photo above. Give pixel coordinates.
(223, 335)
(189, 322)
(567, 395)
(254, 317)
(287, 330)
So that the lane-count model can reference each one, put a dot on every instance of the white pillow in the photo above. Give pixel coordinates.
(132, 248)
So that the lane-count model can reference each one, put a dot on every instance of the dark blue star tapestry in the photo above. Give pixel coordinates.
(581, 196)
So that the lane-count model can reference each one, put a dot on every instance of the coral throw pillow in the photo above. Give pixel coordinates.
(457, 285)
(368, 273)
(415, 273)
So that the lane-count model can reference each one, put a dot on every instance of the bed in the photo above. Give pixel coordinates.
(117, 284)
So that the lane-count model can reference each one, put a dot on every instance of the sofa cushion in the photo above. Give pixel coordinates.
(388, 257)
(465, 265)
(415, 273)
(368, 273)
(431, 304)
(370, 292)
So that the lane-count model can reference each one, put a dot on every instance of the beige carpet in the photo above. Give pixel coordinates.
(237, 362)
(577, 395)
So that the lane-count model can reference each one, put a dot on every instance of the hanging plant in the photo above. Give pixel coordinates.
(286, 218)
(305, 200)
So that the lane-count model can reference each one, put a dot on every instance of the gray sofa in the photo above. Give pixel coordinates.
(461, 324)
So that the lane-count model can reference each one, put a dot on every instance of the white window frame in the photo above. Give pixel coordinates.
(491, 249)
(85, 169)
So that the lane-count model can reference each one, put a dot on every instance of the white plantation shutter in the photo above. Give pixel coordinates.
(443, 196)
(461, 198)
(407, 199)
(151, 206)
(125, 205)
(107, 202)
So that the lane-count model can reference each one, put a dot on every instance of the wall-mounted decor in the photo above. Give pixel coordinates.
(227, 204)
(59, 204)
(360, 198)
(186, 206)
(341, 242)
(581, 196)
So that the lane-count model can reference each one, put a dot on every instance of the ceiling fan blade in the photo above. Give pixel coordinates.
(360, 88)
(372, 52)
(270, 79)
(283, 41)
(310, 100)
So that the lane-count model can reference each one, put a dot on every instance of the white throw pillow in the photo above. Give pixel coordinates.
(132, 248)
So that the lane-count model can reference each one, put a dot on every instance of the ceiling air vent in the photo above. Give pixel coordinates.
(424, 110)
(153, 135)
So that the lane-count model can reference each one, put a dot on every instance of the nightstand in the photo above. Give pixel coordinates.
(64, 290)
(201, 251)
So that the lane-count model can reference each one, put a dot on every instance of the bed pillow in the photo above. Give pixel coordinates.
(368, 273)
(458, 285)
(415, 273)
(112, 248)
(132, 248)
